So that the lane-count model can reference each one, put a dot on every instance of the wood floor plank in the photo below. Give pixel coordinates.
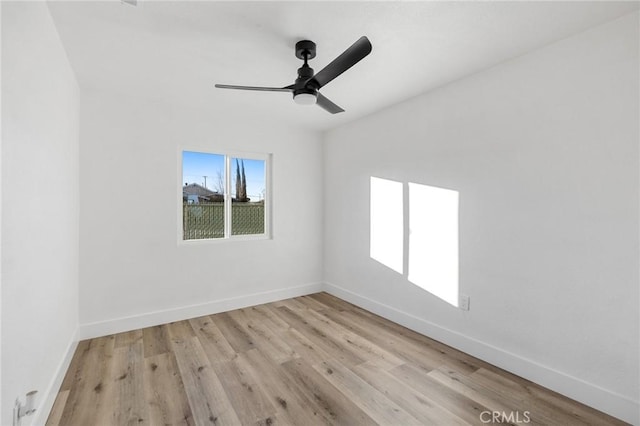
(79, 358)
(305, 348)
(156, 340)
(321, 338)
(208, 400)
(58, 408)
(179, 330)
(274, 324)
(412, 401)
(269, 343)
(127, 338)
(332, 302)
(411, 340)
(90, 383)
(310, 360)
(371, 352)
(293, 406)
(293, 304)
(165, 393)
(250, 403)
(426, 358)
(450, 400)
(373, 402)
(312, 303)
(213, 341)
(268, 314)
(334, 404)
(128, 385)
(467, 386)
(236, 335)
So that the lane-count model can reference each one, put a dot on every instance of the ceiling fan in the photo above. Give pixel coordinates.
(305, 88)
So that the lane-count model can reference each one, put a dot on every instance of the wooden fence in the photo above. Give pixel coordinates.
(207, 220)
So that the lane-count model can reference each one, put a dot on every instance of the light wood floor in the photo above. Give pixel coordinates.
(303, 361)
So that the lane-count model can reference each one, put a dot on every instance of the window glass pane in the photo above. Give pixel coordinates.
(248, 188)
(202, 195)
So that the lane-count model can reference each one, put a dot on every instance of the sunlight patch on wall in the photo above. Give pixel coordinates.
(387, 225)
(433, 240)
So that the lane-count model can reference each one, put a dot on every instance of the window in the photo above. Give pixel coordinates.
(224, 195)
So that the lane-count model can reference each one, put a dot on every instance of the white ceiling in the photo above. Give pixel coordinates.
(176, 51)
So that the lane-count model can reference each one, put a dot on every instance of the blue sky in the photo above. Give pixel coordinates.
(197, 165)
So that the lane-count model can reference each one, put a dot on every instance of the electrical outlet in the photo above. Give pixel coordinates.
(465, 301)
(20, 410)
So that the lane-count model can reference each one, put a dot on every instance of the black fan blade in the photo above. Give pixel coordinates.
(261, 89)
(327, 105)
(346, 60)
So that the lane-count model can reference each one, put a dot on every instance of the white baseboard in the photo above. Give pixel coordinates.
(49, 396)
(149, 319)
(589, 394)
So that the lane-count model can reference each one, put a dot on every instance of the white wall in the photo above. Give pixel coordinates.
(544, 152)
(133, 272)
(543, 149)
(40, 200)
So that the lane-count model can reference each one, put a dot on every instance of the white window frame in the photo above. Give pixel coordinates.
(228, 156)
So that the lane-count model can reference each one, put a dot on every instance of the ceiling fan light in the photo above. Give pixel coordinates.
(305, 99)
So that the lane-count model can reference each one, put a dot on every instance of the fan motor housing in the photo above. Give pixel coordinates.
(305, 72)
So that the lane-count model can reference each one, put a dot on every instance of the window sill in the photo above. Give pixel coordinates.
(235, 238)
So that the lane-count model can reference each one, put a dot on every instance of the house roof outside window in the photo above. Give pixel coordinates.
(194, 193)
